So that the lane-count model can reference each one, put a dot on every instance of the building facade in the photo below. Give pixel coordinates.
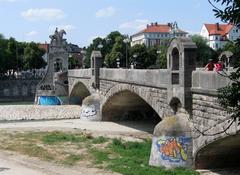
(218, 35)
(157, 34)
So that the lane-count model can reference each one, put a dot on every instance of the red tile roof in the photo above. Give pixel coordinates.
(218, 29)
(44, 46)
(159, 28)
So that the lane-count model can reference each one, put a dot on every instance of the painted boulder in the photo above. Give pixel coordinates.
(49, 100)
(172, 143)
(90, 110)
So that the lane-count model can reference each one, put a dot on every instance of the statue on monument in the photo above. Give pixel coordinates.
(57, 37)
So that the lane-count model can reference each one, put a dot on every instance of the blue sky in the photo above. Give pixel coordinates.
(35, 20)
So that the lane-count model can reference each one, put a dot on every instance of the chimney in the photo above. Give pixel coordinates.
(218, 27)
(156, 23)
(152, 24)
(147, 25)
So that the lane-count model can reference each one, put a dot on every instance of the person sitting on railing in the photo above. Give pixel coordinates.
(209, 66)
(218, 66)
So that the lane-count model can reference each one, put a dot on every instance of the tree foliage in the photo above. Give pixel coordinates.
(204, 52)
(33, 57)
(16, 56)
(117, 52)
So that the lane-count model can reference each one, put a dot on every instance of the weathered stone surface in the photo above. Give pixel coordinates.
(90, 110)
(18, 89)
(35, 112)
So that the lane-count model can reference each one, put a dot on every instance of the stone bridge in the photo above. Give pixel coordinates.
(179, 90)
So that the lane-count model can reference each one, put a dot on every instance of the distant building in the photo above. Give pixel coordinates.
(45, 47)
(157, 34)
(218, 35)
(75, 52)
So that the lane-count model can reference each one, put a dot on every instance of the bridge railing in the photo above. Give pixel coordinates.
(80, 73)
(208, 80)
(154, 78)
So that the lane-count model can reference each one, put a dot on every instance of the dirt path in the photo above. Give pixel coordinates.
(15, 164)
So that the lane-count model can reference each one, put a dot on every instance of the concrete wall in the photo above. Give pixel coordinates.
(208, 81)
(35, 112)
(18, 89)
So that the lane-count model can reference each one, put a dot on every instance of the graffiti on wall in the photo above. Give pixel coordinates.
(88, 111)
(173, 149)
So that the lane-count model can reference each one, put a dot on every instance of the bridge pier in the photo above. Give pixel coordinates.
(183, 99)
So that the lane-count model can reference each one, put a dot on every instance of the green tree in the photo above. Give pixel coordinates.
(11, 55)
(204, 52)
(229, 96)
(110, 49)
(139, 56)
(117, 52)
(3, 54)
(33, 57)
(93, 46)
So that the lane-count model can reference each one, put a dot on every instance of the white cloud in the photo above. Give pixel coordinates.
(32, 33)
(67, 27)
(106, 12)
(45, 14)
(137, 24)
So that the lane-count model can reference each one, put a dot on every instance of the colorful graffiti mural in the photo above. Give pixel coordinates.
(173, 149)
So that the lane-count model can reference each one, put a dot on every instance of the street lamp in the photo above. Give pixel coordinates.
(126, 41)
(134, 63)
(118, 63)
(100, 45)
(83, 52)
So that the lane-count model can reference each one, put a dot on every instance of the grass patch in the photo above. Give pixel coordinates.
(72, 159)
(59, 137)
(31, 150)
(133, 159)
(99, 140)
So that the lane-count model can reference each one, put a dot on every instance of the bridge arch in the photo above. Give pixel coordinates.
(223, 152)
(78, 92)
(130, 102)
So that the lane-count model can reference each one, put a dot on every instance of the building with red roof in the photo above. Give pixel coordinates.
(218, 35)
(157, 34)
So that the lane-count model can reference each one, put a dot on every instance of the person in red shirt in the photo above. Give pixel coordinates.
(218, 66)
(209, 66)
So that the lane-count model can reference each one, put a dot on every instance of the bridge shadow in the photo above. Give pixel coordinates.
(145, 126)
(226, 171)
(220, 154)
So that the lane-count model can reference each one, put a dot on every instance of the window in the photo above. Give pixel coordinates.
(236, 30)
(216, 45)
